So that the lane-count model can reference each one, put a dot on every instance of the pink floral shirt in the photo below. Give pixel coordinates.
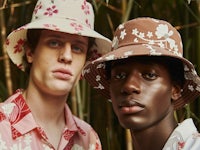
(184, 137)
(19, 131)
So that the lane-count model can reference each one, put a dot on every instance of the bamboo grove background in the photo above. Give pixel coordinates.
(84, 101)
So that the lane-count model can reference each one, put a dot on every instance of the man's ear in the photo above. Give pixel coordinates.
(29, 54)
(176, 92)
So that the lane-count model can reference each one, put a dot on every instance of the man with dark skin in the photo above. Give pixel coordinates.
(137, 102)
(153, 79)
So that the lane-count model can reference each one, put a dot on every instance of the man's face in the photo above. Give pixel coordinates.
(57, 61)
(141, 93)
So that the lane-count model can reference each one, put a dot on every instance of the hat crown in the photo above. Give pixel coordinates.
(78, 10)
(150, 32)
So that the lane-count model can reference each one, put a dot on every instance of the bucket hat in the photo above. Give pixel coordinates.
(68, 16)
(144, 37)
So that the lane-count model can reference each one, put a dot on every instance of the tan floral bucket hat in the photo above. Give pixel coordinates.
(145, 37)
(68, 16)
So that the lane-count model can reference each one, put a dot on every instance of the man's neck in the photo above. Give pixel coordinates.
(154, 137)
(48, 112)
(45, 107)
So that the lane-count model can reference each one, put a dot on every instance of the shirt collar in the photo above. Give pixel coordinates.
(73, 124)
(22, 121)
(181, 133)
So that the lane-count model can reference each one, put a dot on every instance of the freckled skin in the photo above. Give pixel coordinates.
(147, 85)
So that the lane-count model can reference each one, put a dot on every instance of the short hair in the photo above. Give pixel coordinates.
(33, 36)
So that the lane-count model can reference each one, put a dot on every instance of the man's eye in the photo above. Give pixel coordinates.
(77, 49)
(121, 75)
(150, 76)
(54, 43)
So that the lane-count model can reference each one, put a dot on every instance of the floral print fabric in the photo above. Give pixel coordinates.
(184, 137)
(19, 131)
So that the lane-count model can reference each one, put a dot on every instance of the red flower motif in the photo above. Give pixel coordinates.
(7, 41)
(15, 133)
(70, 144)
(19, 111)
(68, 134)
(81, 131)
(51, 10)
(19, 46)
(97, 146)
(37, 7)
(77, 27)
(2, 116)
(86, 8)
(181, 145)
(87, 22)
(51, 26)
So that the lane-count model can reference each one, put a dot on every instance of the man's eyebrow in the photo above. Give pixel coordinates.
(79, 40)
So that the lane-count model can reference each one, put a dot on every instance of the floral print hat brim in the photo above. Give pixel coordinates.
(145, 37)
(68, 16)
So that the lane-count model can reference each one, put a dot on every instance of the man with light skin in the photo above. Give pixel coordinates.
(52, 49)
(146, 78)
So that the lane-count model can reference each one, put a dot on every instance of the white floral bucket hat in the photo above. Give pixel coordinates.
(69, 16)
(144, 37)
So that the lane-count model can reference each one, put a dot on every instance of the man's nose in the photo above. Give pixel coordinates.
(131, 84)
(65, 54)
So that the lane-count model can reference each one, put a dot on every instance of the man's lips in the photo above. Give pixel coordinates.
(130, 107)
(63, 74)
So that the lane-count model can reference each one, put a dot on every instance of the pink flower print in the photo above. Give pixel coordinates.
(15, 133)
(7, 41)
(77, 27)
(51, 27)
(181, 145)
(70, 145)
(20, 110)
(86, 8)
(87, 22)
(81, 131)
(97, 146)
(19, 46)
(68, 134)
(37, 7)
(51, 10)
(2, 116)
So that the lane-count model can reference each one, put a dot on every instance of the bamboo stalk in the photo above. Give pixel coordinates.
(107, 5)
(79, 102)
(128, 140)
(4, 3)
(15, 4)
(126, 9)
(6, 59)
